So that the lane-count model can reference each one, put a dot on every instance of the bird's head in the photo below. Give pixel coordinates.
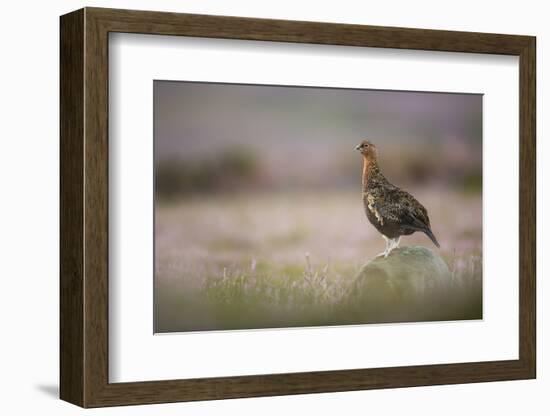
(367, 149)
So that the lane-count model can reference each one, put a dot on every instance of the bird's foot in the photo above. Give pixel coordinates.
(385, 253)
(391, 244)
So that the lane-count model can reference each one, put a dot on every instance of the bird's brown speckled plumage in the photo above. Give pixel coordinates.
(391, 210)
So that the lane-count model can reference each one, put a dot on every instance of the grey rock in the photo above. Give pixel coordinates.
(412, 283)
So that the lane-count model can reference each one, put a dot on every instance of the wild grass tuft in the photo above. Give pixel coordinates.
(308, 294)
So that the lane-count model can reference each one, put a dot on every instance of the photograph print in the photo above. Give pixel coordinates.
(290, 206)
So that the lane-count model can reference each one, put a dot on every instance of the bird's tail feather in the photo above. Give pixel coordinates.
(429, 233)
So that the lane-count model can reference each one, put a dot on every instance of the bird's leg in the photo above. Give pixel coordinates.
(398, 241)
(391, 246)
(393, 243)
(386, 251)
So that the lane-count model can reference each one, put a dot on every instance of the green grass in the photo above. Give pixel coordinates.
(300, 295)
(304, 295)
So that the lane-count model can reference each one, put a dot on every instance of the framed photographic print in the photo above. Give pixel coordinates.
(255, 207)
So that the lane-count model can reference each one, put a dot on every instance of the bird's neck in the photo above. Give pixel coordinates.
(370, 170)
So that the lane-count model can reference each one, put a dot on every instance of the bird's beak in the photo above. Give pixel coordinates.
(357, 147)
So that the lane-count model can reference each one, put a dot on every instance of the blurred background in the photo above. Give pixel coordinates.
(257, 186)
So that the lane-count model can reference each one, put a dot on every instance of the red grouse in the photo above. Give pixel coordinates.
(392, 211)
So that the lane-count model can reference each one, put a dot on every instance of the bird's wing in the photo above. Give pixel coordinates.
(397, 206)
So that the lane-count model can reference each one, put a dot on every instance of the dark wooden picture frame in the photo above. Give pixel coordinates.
(84, 207)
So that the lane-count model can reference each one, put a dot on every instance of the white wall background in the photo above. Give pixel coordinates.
(29, 210)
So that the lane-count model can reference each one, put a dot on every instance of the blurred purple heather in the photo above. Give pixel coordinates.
(216, 137)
